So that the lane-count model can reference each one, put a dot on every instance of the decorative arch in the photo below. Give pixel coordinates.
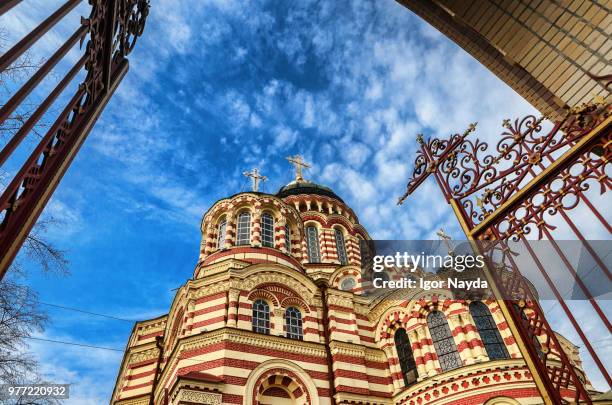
(423, 307)
(318, 219)
(407, 313)
(268, 273)
(343, 272)
(264, 295)
(334, 220)
(295, 302)
(393, 319)
(282, 374)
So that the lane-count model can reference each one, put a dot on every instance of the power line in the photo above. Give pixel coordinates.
(87, 312)
(73, 344)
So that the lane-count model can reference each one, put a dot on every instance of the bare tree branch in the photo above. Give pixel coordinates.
(20, 314)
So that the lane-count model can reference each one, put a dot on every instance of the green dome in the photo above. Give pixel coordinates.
(306, 187)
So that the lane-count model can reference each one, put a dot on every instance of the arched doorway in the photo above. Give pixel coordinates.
(280, 382)
(280, 387)
(276, 395)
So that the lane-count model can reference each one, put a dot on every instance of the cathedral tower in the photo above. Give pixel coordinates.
(276, 313)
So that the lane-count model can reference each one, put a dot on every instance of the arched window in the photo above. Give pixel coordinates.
(261, 317)
(293, 323)
(340, 248)
(221, 232)
(267, 230)
(443, 341)
(489, 334)
(243, 234)
(288, 237)
(406, 358)
(347, 284)
(312, 239)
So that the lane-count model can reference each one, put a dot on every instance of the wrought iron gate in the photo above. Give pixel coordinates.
(512, 193)
(110, 32)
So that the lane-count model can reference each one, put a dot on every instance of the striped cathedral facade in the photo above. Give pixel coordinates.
(276, 313)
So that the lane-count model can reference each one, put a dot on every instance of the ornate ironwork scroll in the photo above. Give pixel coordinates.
(112, 28)
(531, 178)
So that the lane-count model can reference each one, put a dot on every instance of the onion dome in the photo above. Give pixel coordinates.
(297, 187)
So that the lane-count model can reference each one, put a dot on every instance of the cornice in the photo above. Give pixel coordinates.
(348, 349)
(204, 339)
(484, 376)
(197, 397)
(221, 266)
(144, 353)
(357, 350)
(340, 300)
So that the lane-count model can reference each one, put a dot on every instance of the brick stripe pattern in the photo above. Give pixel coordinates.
(209, 344)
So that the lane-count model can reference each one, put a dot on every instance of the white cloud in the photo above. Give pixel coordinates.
(356, 153)
(284, 137)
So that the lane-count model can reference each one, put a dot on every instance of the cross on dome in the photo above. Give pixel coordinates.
(447, 240)
(299, 163)
(254, 174)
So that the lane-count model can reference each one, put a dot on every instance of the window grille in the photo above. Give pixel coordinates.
(312, 237)
(293, 323)
(406, 358)
(443, 341)
(221, 232)
(288, 238)
(243, 234)
(489, 334)
(261, 317)
(340, 247)
(267, 230)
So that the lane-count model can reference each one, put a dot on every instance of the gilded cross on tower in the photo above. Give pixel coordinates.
(254, 174)
(299, 163)
(447, 240)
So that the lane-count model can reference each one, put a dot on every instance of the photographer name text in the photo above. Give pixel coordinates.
(427, 285)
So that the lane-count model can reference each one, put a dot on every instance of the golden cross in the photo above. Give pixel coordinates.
(446, 238)
(256, 178)
(299, 163)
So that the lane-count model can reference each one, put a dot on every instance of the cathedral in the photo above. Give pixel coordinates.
(277, 313)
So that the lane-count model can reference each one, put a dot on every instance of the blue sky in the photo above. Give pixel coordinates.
(218, 87)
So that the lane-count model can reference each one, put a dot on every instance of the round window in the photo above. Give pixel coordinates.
(347, 284)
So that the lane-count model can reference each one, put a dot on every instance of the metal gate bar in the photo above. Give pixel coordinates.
(486, 197)
(26, 43)
(113, 28)
(8, 4)
(42, 72)
(568, 312)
